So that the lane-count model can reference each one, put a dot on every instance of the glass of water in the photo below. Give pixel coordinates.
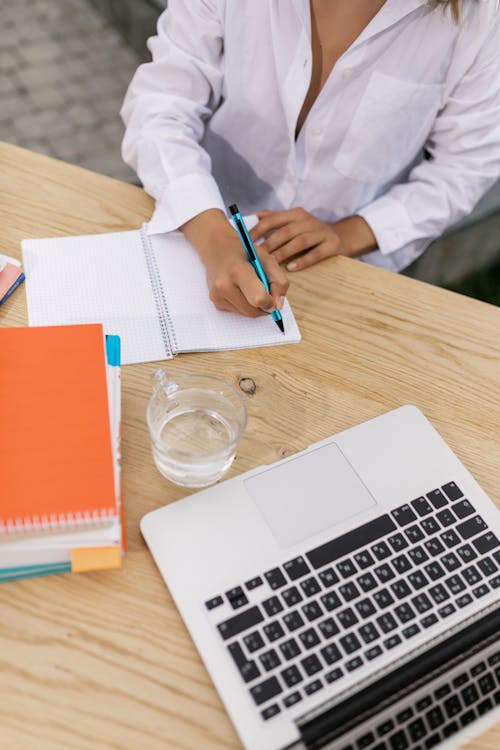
(195, 423)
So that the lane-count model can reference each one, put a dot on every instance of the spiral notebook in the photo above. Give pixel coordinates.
(59, 412)
(149, 290)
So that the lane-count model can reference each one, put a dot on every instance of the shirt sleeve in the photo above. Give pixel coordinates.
(165, 108)
(463, 151)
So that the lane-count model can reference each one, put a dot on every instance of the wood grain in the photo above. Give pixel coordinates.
(103, 660)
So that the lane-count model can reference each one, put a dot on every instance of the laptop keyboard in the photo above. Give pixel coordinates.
(306, 624)
(423, 721)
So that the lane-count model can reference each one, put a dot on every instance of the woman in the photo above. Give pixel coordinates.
(359, 127)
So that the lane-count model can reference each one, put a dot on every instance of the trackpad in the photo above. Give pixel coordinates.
(308, 494)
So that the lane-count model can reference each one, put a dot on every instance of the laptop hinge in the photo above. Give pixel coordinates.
(337, 719)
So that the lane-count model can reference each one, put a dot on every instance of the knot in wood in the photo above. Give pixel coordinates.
(247, 385)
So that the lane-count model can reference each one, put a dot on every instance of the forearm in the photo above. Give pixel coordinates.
(208, 232)
(356, 236)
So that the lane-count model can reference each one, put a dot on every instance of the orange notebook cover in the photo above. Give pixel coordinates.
(56, 460)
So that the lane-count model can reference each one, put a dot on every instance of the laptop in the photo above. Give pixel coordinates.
(346, 597)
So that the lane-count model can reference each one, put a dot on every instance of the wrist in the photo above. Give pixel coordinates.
(206, 231)
(355, 235)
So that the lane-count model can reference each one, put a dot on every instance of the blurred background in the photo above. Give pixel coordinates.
(64, 69)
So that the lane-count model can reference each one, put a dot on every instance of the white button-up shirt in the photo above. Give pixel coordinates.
(405, 132)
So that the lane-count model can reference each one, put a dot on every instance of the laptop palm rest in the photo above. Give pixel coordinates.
(308, 494)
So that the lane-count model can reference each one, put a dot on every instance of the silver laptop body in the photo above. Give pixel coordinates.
(346, 596)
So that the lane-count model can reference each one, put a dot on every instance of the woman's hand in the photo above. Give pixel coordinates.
(233, 284)
(299, 237)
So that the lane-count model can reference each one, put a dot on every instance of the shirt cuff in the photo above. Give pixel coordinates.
(390, 223)
(183, 199)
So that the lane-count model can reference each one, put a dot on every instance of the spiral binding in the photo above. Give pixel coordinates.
(55, 521)
(164, 319)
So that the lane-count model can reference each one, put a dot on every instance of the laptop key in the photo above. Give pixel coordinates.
(430, 525)
(480, 591)
(312, 611)
(333, 675)
(463, 509)
(365, 608)
(418, 580)
(353, 664)
(486, 543)
(487, 566)
(437, 498)
(349, 591)
(311, 664)
(393, 641)
(248, 669)
(364, 559)
(404, 613)
(328, 577)
(330, 601)
(292, 699)
(272, 606)
(447, 610)
(471, 527)
(452, 706)
(365, 741)
(450, 562)
(399, 741)
(455, 584)
(484, 706)
(293, 620)
(486, 683)
(254, 583)
(351, 541)
(275, 578)
(432, 741)
(291, 596)
(471, 575)
(387, 622)
(464, 600)
(403, 515)
(216, 601)
(418, 555)
(369, 632)
(350, 643)
(328, 627)
(417, 730)
(385, 727)
(450, 538)
(346, 568)
(414, 534)
(435, 717)
(331, 653)
(310, 586)
(411, 630)
(383, 598)
(309, 638)
(429, 620)
(347, 618)
(270, 660)
(372, 653)
(398, 542)
(291, 675)
(466, 553)
(381, 551)
(237, 624)
(296, 568)
(434, 547)
(421, 506)
(367, 582)
(384, 573)
(439, 593)
(273, 631)
(253, 641)
(469, 694)
(452, 491)
(400, 589)
(236, 597)
(290, 649)
(401, 564)
(270, 711)
(447, 517)
(313, 687)
(265, 690)
(421, 603)
(434, 571)
(478, 669)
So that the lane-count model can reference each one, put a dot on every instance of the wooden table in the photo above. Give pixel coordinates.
(103, 660)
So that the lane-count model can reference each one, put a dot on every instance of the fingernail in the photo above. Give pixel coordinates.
(292, 266)
(269, 309)
(281, 302)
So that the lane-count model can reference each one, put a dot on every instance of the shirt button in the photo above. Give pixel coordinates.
(317, 131)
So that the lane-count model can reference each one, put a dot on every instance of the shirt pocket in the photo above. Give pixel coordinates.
(390, 125)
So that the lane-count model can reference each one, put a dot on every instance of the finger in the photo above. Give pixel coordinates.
(277, 278)
(282, 236)
(252, 288)
(274, 220)
(298, 245)
(318, 253)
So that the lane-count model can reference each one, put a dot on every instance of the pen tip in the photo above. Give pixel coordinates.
(280, 325)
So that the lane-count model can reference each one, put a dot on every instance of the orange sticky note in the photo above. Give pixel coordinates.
(85, 559)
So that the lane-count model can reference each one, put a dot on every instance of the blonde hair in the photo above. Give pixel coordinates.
(454, 5)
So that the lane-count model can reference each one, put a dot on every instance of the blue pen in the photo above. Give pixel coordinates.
(253, 258)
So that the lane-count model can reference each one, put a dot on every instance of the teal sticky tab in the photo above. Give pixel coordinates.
(30, 571)
(113, 350)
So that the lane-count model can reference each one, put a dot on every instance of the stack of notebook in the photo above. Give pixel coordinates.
(60, 498)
